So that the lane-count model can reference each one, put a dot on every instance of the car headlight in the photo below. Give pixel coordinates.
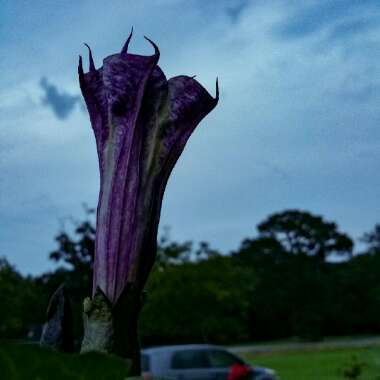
(269, 371)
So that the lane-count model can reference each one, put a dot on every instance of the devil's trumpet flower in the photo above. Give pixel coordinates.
(141, 122)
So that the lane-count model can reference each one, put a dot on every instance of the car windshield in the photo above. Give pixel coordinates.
(222, 359)
(187, 359)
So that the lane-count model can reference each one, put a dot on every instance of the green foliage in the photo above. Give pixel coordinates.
(353, 369)
(372, 240)
(203, 301)
(19, 302)
(275, 285)
(300, 232)
(19, 362)
(76, 252)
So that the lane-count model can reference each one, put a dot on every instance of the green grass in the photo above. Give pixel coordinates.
(30, 362)
(325, 364)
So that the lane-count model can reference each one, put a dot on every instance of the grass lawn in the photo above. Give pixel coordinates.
(30, 362)
(325, 364)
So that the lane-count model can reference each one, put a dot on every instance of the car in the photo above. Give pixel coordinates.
(199, 362)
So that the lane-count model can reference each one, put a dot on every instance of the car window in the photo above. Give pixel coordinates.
(222, 359)
(187, 359)
(145, 363)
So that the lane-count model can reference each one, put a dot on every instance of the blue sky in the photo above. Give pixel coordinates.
(297, 126)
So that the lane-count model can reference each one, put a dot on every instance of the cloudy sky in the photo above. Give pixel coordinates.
(297, 125)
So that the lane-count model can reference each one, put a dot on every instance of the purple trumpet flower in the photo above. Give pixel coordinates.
(141, 123)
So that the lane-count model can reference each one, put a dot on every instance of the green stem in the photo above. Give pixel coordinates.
(113, 328)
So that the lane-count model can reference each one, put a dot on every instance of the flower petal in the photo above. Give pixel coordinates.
(124, 79)
(190, 102)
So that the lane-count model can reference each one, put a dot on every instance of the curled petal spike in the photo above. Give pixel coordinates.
(80, 66)
(217, 90)
(80, 69)
(91, 60)
(124, 50)
(81, 73)
(156, 50)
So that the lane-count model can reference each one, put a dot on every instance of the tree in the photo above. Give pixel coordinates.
(301, 232)
(78, 251)
(75, 254)
(269, 304)
(260, 252)
(293, 288)
(21, 306)
(76, 248)
(203, 301)
(170, 252)
(372, 240)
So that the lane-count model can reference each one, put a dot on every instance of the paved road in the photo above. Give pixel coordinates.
(288, 346)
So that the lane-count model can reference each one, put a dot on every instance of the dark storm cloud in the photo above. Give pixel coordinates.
(233, 9)
(61, 102)
(348, 29)
(236, 9)
(311, 19)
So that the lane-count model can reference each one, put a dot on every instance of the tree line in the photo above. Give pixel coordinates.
(297, 277)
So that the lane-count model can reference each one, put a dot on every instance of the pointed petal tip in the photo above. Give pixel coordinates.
(124, 50)
(90, 58)
(217, 89)
(80, 72)
(80, 65)
(156, 49)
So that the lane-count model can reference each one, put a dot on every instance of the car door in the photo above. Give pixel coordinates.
(191, 364)
(221, 363)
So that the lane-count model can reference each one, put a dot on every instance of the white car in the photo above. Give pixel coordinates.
(199, 362)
